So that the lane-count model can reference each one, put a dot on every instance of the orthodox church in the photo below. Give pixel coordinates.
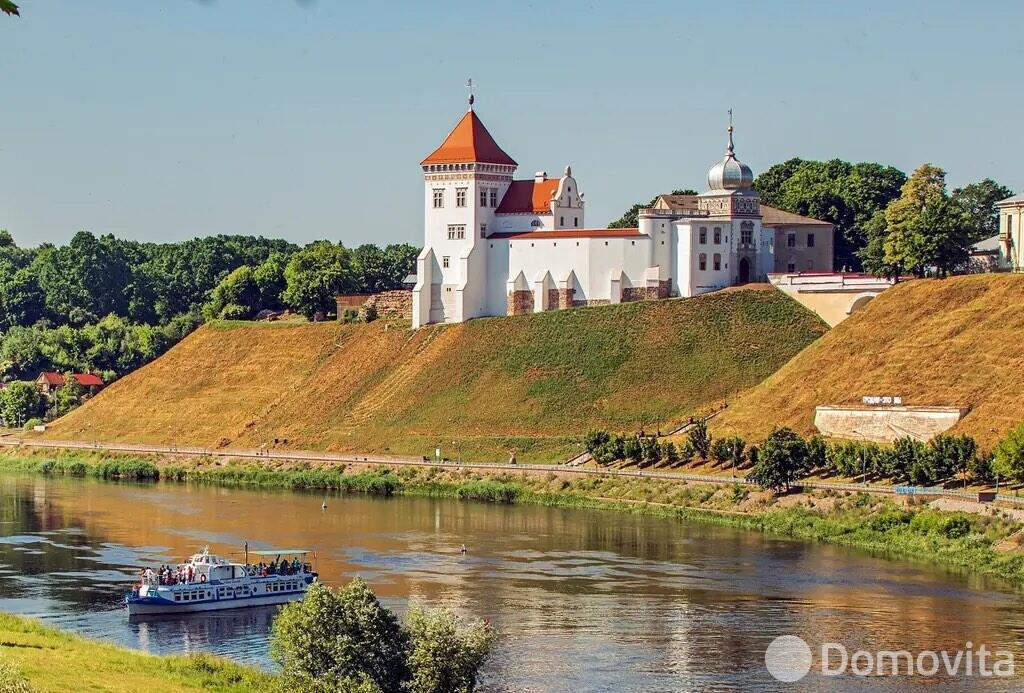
(495, 245)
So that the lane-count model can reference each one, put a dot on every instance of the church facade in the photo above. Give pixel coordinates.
(497, 245)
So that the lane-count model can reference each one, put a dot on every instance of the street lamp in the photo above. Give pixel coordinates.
(863, 459)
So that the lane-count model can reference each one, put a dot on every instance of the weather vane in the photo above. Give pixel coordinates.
(469, 85)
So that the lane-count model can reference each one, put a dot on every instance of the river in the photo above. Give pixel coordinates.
(581, 600)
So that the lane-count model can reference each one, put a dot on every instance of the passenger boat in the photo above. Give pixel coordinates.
(206, 582)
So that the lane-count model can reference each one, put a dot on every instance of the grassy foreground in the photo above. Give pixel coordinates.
(52, 660)
(967, 542)
(951, 342)
(531, 383)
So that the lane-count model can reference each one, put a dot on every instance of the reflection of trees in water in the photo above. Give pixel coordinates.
(35, 545)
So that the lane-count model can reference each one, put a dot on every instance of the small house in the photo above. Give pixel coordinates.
(49, 382)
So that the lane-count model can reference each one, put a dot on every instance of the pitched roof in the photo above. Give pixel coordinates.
(469, 142)
(528, 196)
(680, 202)
(1016, 199)
(770, 216)
(84, 379)
(566, 233)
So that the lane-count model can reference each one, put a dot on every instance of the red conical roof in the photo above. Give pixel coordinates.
(469, 142)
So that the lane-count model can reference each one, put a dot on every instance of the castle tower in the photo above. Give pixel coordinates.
(464, 181)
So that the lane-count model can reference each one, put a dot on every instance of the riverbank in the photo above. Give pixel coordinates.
(52, 660)
(982, 544)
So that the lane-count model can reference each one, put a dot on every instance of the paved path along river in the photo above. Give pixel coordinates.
(582, 600)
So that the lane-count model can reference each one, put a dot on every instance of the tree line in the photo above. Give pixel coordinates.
(785, 456)
(107, 305)
(885, 223)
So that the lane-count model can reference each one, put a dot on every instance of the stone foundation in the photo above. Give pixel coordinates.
(646, 293)
(565, 298)
(552, 299)
(520, 302)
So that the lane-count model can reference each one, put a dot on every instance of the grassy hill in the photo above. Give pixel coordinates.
(533, 383)
(935, 342)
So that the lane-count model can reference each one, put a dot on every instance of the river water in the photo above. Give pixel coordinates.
(581, 600)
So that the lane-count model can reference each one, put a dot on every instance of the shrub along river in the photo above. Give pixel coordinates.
(580, 599)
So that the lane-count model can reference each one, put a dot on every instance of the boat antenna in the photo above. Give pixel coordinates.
(247, 553)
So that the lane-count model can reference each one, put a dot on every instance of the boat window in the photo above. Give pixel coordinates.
(177, 597)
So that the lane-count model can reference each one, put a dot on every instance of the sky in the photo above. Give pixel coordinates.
(163, 120)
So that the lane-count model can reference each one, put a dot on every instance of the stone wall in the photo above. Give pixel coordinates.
(565, 298)
(392, 304)
(552, 299)
(885, 424)
(647, 293)
(520, 302)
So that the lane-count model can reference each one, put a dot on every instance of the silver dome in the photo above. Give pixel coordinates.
(730, 173)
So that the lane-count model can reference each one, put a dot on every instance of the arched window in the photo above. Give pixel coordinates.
(702, 261)
(703, 235)
(718, 261)
(718, 235)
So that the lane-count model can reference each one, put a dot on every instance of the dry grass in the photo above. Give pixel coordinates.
(532, 383)
(935, 342)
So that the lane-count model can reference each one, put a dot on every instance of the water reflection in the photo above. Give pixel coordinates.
(583, 600)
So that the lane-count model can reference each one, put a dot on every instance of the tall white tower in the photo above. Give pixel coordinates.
(464, 181)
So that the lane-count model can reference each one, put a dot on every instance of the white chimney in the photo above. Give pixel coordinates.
(540, 176)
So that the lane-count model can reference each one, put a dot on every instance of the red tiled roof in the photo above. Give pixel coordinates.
(469, 142)
(567, 233)
(528, 196)
(84, 379)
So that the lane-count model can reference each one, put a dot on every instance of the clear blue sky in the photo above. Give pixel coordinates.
(166, 119)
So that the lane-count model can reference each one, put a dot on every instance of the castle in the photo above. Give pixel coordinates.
(494, 245)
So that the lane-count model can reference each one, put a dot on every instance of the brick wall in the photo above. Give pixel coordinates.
(520, 302)
(552, 299)
(565, 298)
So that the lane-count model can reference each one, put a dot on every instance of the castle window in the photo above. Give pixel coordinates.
(791, 267)
(444, 262)
(702, 261)
(718, 261)
(535, 222)
(460, 197)
(438, 198)
(1009, 224)
(561, 221)
(791, 240)
(747, 233)
(494, 197)
(575, 222)
(483, 230)
(703, 236)
(810, 240)
(718, 235)
(456, 232)
(483, 197)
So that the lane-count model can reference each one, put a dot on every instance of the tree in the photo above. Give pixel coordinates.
(925, 227)
(337, 639)
(844, 194)
(236, 297)
(67, 397)
(700, 440)
(19, 402)
(781, 460)
(8, 7)
(631, 217)
(1009, 455)
(979, 202)
(269, 279)
(952, 455)
(444, 655)
(315, 275)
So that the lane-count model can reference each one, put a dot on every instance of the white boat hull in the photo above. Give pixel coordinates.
(143, 609)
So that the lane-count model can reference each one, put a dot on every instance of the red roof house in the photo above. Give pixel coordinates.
(48, 381)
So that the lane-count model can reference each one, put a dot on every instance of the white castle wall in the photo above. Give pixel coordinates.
(885, 424)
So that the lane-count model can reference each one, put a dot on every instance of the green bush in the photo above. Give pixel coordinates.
(888, 520)
(490, 491)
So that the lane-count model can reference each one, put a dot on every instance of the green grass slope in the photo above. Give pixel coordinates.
(956, 342)
(532, 383)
